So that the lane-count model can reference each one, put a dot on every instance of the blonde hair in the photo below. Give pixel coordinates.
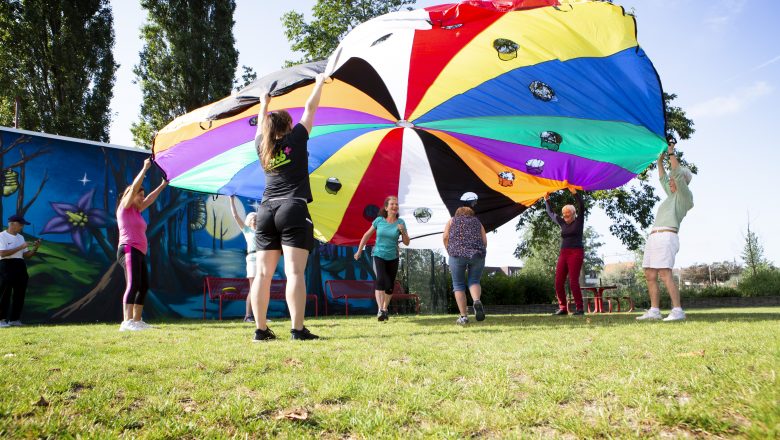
(464, 211)
(249, 217)
(275, 125)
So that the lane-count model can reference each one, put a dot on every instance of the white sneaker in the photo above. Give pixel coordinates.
(4, 323)
(650, 315)
(15, 323)
(463, 320)
(142, 325)
(675, 315)
(125, 326)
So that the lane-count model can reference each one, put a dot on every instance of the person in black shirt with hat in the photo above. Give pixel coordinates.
(13, 270)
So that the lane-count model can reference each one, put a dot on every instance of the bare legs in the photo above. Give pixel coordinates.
(127, 312)
(294, 268)
(652, 275)
(248, 311)
(382, 299)
(460, 297)
(260, 292)
(132, 312)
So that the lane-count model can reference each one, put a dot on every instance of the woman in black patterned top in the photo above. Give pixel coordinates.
(466, 243)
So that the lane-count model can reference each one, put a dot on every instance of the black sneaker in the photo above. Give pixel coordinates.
(380, 315)
(385, 315)
(579, 312)
(560, 312)
(264, 335)
(479, 310)
(303, 334)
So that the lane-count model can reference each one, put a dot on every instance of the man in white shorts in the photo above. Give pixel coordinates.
(663, 243)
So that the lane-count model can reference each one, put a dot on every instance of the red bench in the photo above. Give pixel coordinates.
(237, 289)
(364, 289)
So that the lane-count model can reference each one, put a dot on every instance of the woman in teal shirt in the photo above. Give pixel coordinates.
(388, 228)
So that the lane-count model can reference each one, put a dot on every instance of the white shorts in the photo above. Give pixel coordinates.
(660, 250)
(251, 265)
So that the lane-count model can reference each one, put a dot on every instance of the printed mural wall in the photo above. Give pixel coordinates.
(67, 188)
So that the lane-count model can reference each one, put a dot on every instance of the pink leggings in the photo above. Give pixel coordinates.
(569, 262)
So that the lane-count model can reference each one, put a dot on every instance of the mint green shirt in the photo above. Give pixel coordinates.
(677, 204)
(387, 234)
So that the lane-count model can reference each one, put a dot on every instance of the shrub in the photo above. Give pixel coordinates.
(763, 283)
(709, 292)
(524, 288)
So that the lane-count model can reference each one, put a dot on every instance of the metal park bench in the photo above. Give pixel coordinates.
(364, 289)
(237, 289)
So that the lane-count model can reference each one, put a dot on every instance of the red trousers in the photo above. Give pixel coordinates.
(569, 262)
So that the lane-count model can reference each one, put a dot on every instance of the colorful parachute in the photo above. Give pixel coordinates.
(508, 99)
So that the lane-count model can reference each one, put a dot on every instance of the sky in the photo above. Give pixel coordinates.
(720, 57)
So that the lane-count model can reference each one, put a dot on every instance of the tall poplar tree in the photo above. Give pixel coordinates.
(189, 59)
(57, 58)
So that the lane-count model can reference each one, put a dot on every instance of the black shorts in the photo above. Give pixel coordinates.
(385, 271)
(284, 222)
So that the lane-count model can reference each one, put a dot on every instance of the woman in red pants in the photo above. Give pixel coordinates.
(572, 253)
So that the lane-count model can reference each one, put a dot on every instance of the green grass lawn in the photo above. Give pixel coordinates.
(714, 375)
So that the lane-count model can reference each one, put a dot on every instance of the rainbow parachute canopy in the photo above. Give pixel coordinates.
(508, 99)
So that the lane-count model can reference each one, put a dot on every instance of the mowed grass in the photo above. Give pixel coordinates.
(528, 376)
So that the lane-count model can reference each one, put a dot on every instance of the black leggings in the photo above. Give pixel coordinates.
(13, 282)
(385, 274)
(133, 262)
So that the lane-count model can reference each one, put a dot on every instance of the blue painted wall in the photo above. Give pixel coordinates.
(67, 188)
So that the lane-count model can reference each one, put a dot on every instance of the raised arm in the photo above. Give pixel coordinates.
(548, 209)
(364, 240)
(307, 120)
(234, 211)
(261, 117)
(136, 185)
(673, 161)
(153, 195)
(661, 170)
(580, 203)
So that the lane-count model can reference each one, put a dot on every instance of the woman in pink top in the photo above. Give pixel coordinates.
(131, 252)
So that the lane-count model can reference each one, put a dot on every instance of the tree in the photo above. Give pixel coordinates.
(247, 77)
(57, 58)
(714, 273)
(541, 255)
(592, 263)
(753, 253)
(188, 60)
(630, 207)
(333, 19)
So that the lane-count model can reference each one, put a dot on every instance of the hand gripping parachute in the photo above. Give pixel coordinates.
(507, 99)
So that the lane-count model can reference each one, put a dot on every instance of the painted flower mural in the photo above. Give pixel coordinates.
(78, 220)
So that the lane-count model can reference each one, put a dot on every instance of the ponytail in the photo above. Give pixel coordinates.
(275, 126)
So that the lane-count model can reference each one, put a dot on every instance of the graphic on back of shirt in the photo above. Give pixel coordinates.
(282, 157)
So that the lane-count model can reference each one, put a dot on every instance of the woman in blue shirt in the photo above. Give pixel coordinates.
(388, 228)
